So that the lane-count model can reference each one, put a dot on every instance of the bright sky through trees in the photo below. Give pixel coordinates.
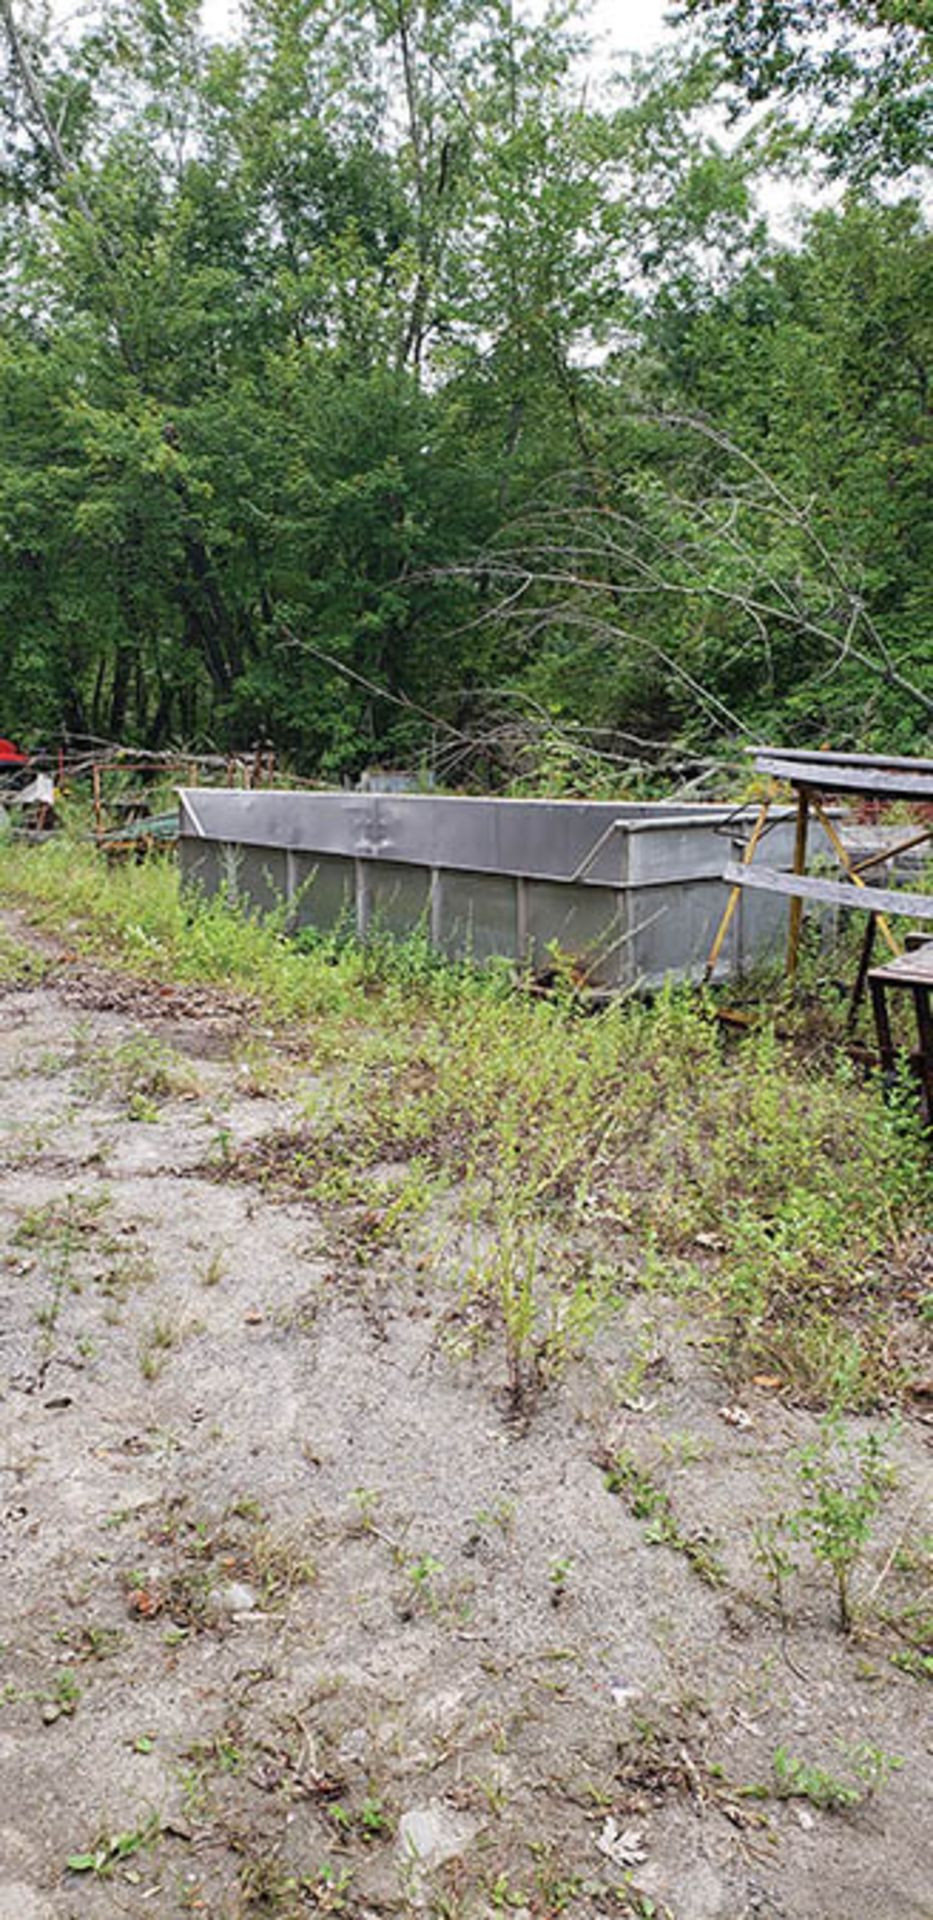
(630, 25)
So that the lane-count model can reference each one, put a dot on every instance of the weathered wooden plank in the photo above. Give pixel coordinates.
(910, 969)
(907, 763)
(824, 777)
(830, 893)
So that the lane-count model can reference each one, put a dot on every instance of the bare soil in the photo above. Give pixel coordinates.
(295, 1619)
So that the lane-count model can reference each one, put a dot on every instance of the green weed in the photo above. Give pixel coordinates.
(844, 1482)
(109, 1851)
(20, 966)
(867, 1767)
(782, 1192)
(651, 1503)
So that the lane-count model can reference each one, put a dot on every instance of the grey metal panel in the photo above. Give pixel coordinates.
(674, 931)
(587, 922)
(501, 836)
(676, 850)
(198, 864)
(761, 928)
(211, 865)
(550, 837)
(261, 878)
(477, 915)
(323, 892)
(398, 897)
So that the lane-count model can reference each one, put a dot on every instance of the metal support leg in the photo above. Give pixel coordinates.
(858, 990)
(795, 917)
(925, 1033)
(735, 895)
(847, 867)
(882, 1026)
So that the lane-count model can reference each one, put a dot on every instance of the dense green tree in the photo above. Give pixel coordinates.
(374, 384)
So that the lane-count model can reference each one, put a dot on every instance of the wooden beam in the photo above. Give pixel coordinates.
(906, 763)
(830, 893)
(825, 776)
(891, 853)
(842, 853)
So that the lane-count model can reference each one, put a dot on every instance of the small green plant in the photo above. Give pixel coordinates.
(157, 1341)
(501, 1516)
(559, 1573)
(222, 1146)
(647, 1501)
(373, 1820)
(141, 1107)
(124, 1274)
(213, 1269)
(90, 1641)
(796, 1779)
(66, 1692)
(845, 1481)
(280, 1563)
(871, 1765)
(555, 1889)
(368, 1822)
(421, 1575)
(778, 1564)
(867, 1768)
(269, 1886)
(327, 1888)
(366, 1501)
(108, 1852)
(914, 1661)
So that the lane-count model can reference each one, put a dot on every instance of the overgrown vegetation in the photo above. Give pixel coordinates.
(529, 1476)
(563, 1160)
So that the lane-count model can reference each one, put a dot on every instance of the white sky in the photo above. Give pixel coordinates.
(630, 26)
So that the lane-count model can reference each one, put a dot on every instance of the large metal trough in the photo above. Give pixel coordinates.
(634, 890)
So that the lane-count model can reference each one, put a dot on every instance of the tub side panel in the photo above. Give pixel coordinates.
(673, 928)
(199, 864)
(212, 866)
(761, 929)
(585, 922)
(476, 916)
(261, 879)
(398, 897)
(324, 892)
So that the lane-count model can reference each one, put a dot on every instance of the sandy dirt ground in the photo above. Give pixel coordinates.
(294, 1620)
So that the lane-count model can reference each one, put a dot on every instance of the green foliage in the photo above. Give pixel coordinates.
(844, 1482)
(867, 1768)
(844, 1478)
(651, 1503)
(642, 1148)
(110, 1850)
(343, 385)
